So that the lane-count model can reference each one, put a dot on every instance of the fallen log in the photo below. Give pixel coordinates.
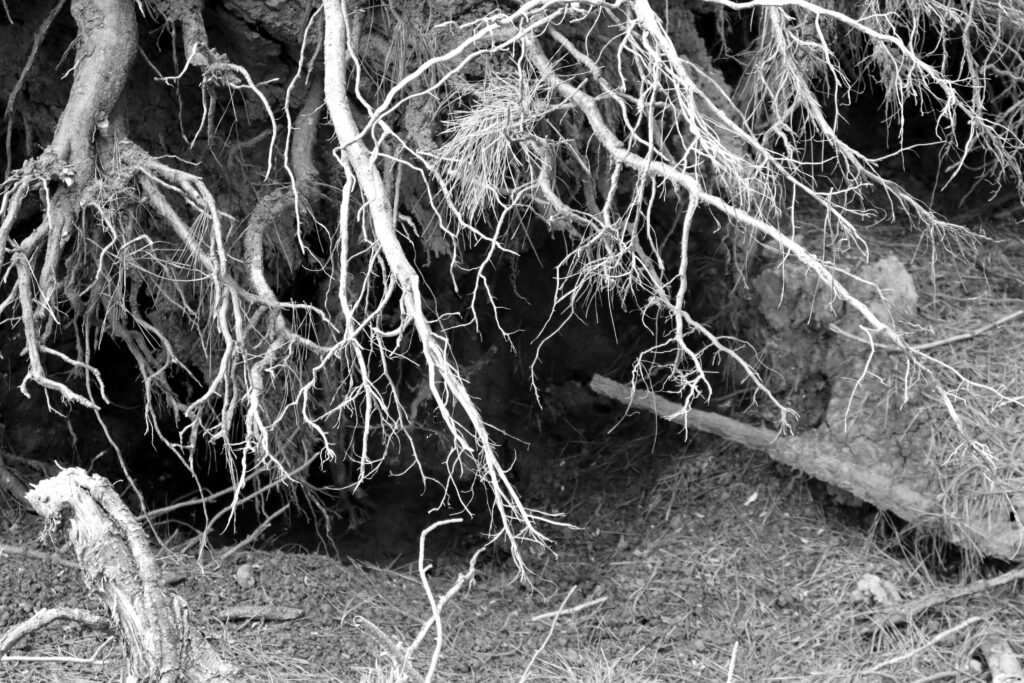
(875, 472)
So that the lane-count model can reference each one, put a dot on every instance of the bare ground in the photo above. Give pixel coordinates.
(693, 562)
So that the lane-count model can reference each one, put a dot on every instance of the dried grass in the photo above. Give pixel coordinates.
(484, 159)
(974, 434)
(774, 580)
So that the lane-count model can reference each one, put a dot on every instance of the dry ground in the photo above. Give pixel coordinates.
(694, 562)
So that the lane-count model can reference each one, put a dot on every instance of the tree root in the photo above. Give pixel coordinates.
(447, 386)
(123, 231)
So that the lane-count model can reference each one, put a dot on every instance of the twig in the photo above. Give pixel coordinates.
(912, 653)
(202, 539)
(943, 675)
(252, 536)
(551, 631)
(962, 336)
(261, 613)
(435, 617)
(901, 613)
(572, 610)
(91, 659)
(52, 659)
(970, 334)
(434, 609)
(732, 662)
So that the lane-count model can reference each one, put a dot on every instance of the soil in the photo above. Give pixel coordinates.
(692, 561)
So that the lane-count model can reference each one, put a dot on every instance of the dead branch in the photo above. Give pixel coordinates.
(1003, 662)
(903, 612)
(45, 617)
(759, 438)
(886, 484)
(260, 613)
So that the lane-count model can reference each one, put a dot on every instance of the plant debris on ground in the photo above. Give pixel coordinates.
(694, 562)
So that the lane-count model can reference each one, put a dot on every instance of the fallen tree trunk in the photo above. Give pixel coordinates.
(887, 481)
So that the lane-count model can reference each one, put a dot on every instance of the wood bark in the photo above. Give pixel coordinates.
(117, 564)
(887, 483)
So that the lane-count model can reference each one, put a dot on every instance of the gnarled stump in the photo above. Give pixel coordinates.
(117, 564)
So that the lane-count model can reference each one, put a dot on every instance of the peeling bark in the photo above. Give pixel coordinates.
(117, 564)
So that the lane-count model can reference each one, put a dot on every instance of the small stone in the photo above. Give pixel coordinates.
(246, 575)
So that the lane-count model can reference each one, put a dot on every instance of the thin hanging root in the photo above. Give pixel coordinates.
(36, 372)
(37, 40)
(517, 522)
(691, 185)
